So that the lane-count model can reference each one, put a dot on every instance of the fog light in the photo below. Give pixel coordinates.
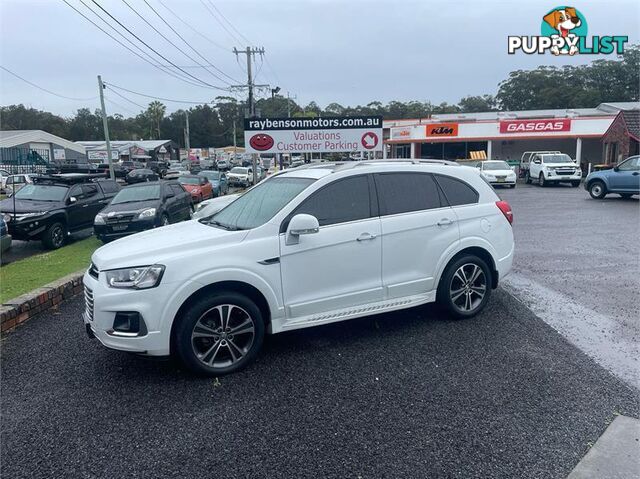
(129, 323)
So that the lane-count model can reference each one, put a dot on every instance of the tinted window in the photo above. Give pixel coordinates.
(109, 186)
(147, 192)
(631, 164)
(404, 192)
(177, 189)
(457, 192)
(339, 202)
(76, 191)
(42, 193)
(89, 190)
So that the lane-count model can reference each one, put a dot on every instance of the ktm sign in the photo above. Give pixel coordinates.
(442, 129)
(535, 126)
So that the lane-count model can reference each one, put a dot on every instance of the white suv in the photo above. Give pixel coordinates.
(547, 168)
(305, 247)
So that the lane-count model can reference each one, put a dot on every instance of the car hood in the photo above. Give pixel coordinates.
(190, 188)
(166, 245)
(28, 206)
(498, 172)
(137, 206)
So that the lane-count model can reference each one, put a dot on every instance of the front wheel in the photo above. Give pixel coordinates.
(597, 190)
(527, 178)
(465, 287)
(164, 220)
(541, 181)
(220, 334)
(575, 184)
(55, 236)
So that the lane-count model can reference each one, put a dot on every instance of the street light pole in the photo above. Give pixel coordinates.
(105, 124)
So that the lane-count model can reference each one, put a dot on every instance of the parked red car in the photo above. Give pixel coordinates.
(199, 187)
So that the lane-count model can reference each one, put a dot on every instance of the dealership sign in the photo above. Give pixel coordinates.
(442, 129)
(535, 126)
(313, 135)
(101, 155)
(401, 133)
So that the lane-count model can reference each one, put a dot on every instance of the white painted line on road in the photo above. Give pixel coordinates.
(615, 455)
(592, 332)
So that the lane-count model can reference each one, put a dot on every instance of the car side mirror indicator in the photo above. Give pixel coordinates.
(301, 224)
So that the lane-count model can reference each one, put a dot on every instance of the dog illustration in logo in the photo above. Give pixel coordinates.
(563, 20)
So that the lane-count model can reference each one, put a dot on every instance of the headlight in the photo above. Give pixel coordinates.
(99, 219)
(141, 277)
(148, 213)
(6, 217)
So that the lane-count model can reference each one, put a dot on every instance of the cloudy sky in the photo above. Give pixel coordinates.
(347, 51)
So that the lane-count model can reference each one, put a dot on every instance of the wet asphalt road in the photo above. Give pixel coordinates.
(408, 394)
(576, 265)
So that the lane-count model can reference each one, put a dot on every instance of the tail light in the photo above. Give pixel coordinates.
(506, 210)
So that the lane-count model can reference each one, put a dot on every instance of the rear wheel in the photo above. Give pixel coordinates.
(220, 334)
(465, 287)
(597, 190)
(527, 178)
(626, 196)
(55, 236)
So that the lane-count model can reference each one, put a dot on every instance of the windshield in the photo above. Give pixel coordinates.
(41, 193)
(260, 204)
(211, 175)
(138, 193)
(239, 170)
(557, 159)
(496, 165)
(189, 180)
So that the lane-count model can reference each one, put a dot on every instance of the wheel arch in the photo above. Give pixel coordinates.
(480, 252)
(241, 287)
(601, 179)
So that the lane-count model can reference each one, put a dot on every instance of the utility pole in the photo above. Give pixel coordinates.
(187, 140)
(250, 86)
(289, 104)
(101, 87)
(234, 140)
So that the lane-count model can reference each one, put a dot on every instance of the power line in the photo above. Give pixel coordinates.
(213, 42)
(127, 99)
(175, 75)
(44, 89)
(111, 85)
(154, 50)
(170, 42)
(168, 24)
(231, 34)
(230, 24)
(118, 105)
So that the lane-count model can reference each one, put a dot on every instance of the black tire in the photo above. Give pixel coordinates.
(452, 284)
(541, 181)
(235, 351)
(164, 220)
(55, 236)
(512, 186)
(626, 196)
(597, 190)
(575, 184)
(527, 178)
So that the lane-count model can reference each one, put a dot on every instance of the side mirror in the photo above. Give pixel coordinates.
(72, 199)
(301, 224)
(616, 168)
(537, 162)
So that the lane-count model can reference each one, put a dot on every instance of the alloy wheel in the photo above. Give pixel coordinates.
(57, 236)
(596, 189)
(468, 287)
(222, 336)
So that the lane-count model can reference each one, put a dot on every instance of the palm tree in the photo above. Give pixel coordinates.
(155, 113)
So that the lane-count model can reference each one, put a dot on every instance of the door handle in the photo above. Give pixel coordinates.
(85, 205)
(445, 222)
(366, 237)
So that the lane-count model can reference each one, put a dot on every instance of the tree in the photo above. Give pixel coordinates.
(472, 104)
(155, 113)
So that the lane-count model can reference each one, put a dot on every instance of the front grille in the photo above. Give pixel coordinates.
(93, 271)
(565, 172)
(88, 300)
(121, 218)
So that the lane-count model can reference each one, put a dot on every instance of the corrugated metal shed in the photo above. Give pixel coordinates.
(13, 138)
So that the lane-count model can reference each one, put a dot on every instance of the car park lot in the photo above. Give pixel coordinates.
(409, 393)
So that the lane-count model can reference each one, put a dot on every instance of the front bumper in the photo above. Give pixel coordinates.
(238, 181)
(118, 230)
(505, 182)
(102, 303)
(27, 230)
(553, 176)
(5, 242)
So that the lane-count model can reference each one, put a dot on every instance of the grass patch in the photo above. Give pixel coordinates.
(30, 273)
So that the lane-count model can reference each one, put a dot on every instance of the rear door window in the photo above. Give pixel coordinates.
(456, 191)
(177, 189)
(406, 192)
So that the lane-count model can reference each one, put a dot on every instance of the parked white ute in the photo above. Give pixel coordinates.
(310, 246)
(548, 168)
(497, 173)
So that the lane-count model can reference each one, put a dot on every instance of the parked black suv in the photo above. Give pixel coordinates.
(140, 176)
(55, 206)
(141, 207)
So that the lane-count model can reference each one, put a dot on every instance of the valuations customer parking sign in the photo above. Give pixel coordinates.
(313, 135)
